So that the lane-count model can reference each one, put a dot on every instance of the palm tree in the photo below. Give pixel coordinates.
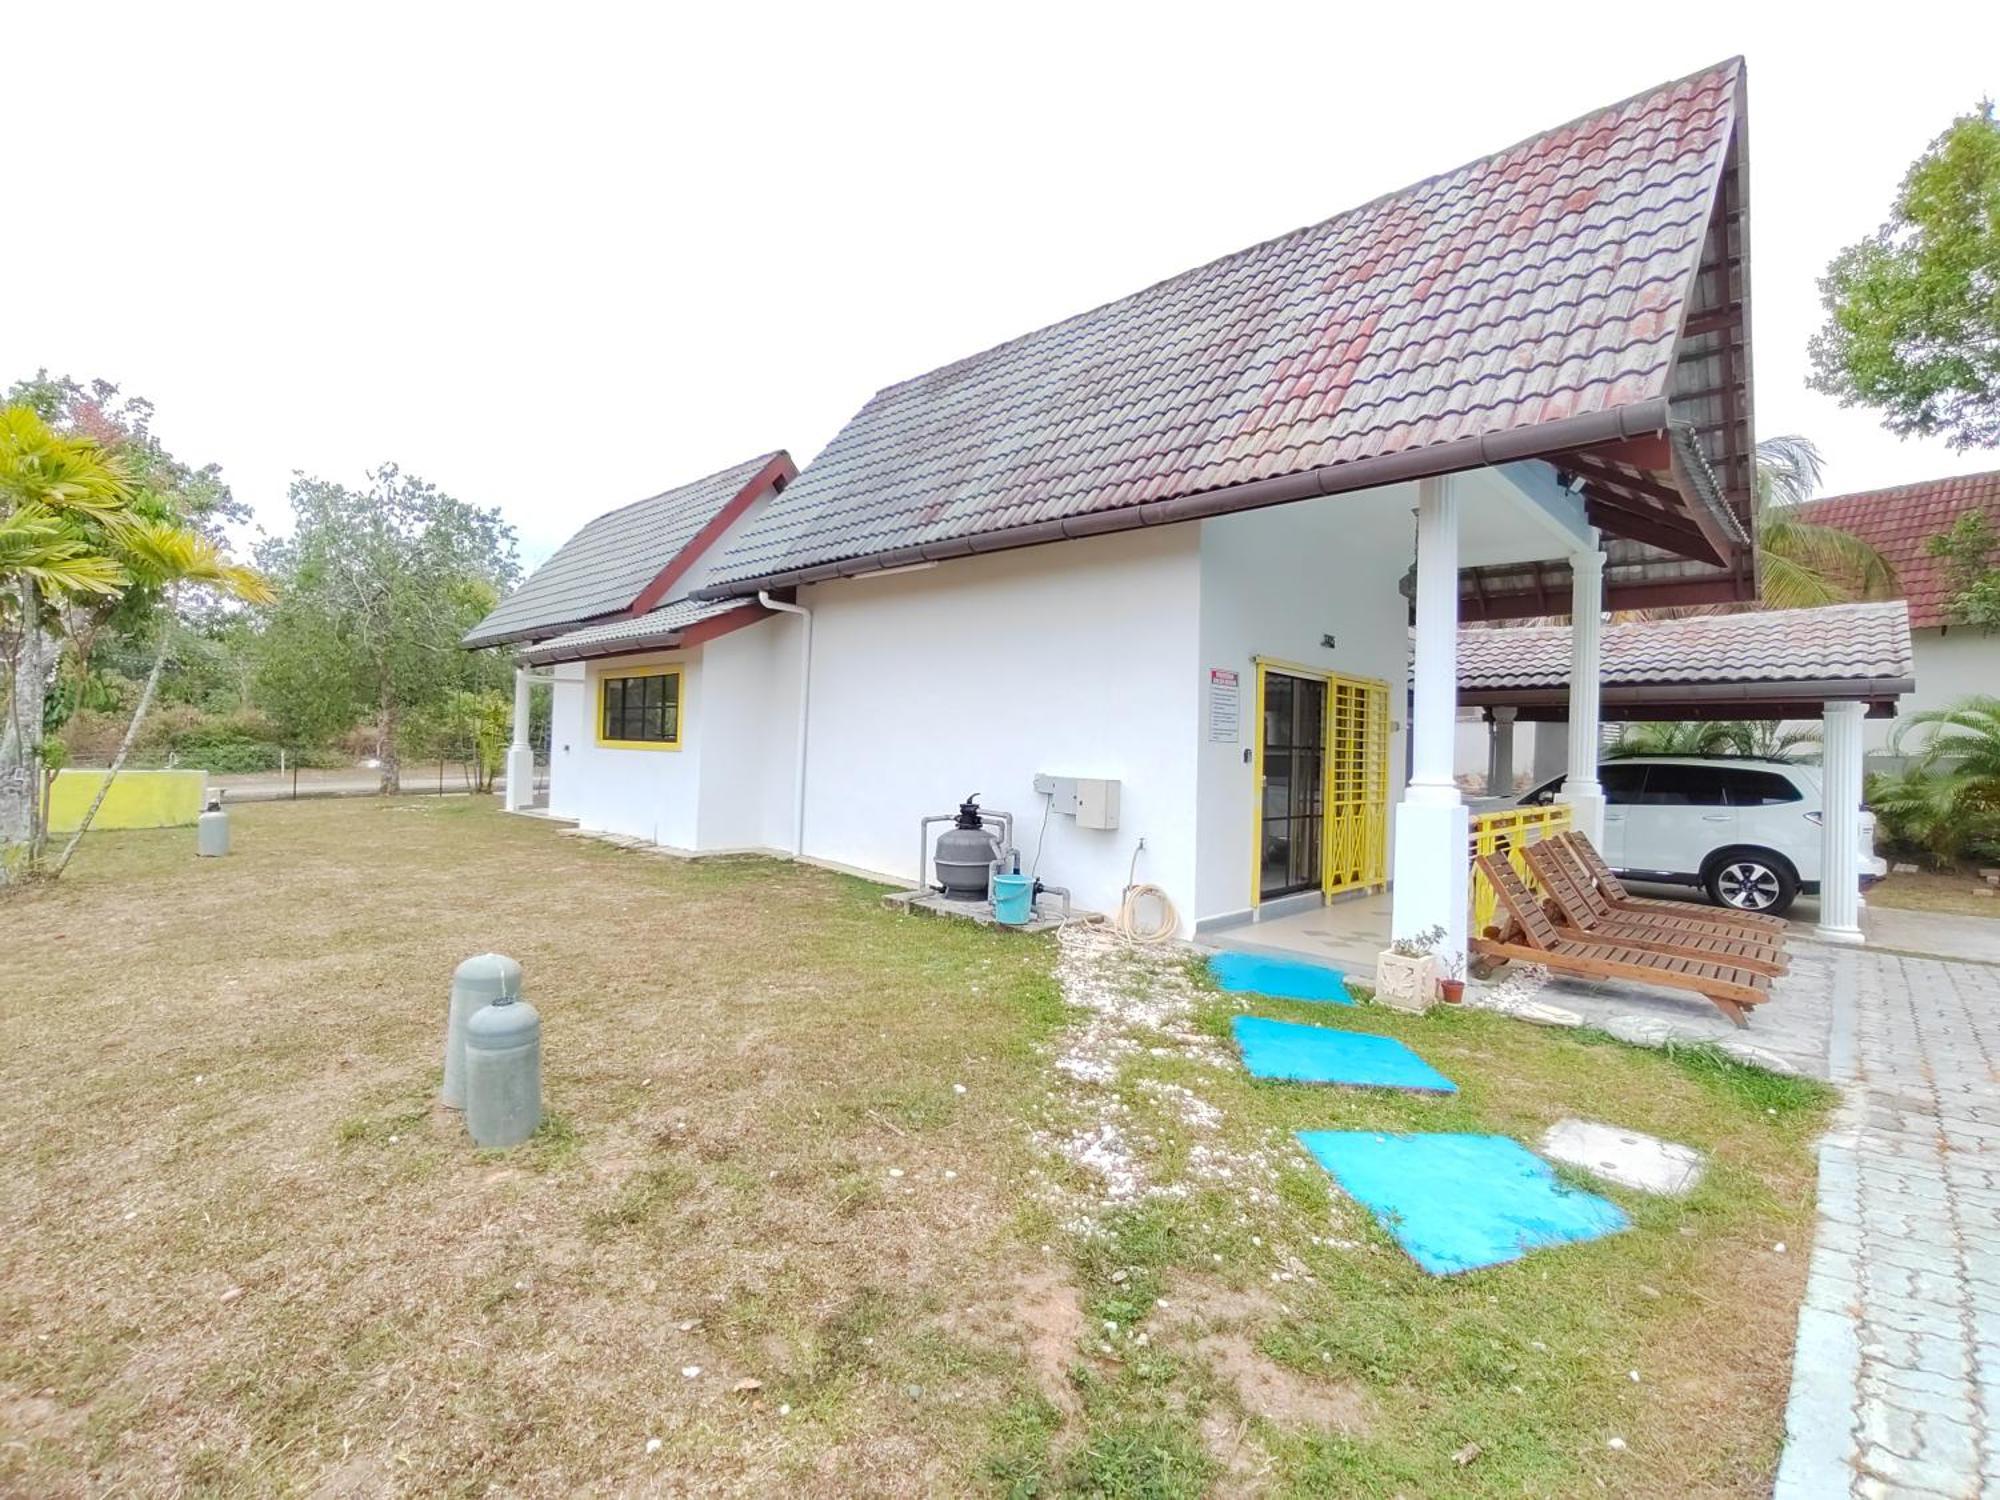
(1948, 797)
(166, 556)
(1764, 739)
(55, 490)
(1804, 563)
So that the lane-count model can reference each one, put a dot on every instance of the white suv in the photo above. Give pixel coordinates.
(1746, 831)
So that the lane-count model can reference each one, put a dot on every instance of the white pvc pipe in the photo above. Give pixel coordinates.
(805, 705)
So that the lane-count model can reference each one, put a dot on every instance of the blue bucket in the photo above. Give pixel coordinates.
(1013, 899)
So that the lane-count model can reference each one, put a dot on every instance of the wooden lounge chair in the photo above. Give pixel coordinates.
(1585, 853)
(1537, 940)
(1578, 905)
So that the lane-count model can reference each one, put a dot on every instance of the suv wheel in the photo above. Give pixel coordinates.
(1752, 880)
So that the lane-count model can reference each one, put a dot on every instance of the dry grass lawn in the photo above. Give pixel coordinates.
(1952, 891)
(791, 1142)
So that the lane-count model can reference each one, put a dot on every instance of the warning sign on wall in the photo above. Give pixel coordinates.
(1225, 706)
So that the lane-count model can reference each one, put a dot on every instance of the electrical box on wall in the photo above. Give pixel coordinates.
(1091, 800)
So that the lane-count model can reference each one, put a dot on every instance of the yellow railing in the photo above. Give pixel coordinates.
(1508, 831)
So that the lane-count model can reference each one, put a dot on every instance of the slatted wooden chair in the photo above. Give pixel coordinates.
(1578, 904)
(1585, 854)
(1534, 939)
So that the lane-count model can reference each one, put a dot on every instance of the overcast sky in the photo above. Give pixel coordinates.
(555, 259)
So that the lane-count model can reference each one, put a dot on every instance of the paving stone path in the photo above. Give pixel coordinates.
(1896, 1380)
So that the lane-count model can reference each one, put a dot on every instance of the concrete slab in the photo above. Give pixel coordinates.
(1629, 1158)
(1287, 1051)
(1460, 1202)
(931, 904)
(1283, 977)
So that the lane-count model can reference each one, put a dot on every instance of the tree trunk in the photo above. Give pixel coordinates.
(21, 742)
(385, 737)
(124, 749)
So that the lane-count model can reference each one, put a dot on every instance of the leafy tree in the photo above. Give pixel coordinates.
(1968, 550)
(169, 558)
(1805, 564)
(376, 587)
(58, 492)
(1913, 312)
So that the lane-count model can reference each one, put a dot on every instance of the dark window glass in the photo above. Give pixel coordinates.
(1682, 786)
(1621, 783)
(643, 709)
(1759, 788)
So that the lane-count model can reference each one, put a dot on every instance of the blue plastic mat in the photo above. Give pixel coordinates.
(1286, 978)
(1319, 1054)
(1459, 1202)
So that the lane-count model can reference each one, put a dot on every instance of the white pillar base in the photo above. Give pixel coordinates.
(1853, 935)
(1586, 815)
(1431, 874)
(520, 777)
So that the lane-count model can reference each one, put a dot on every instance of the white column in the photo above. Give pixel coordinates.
(520, 755)
(1432, 827)
(1586, 638)
(1500, 752)
(1840, 824)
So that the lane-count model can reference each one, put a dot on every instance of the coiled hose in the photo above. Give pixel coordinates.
(1165, 924)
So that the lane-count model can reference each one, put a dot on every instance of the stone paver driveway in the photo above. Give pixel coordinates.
(1896, 1380)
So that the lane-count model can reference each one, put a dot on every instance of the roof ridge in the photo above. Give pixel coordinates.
(1888, 490)
(753, 464)
(1735, 62)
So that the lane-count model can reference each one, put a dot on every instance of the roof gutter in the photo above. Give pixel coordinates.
(1833, 689)
(1640, 419)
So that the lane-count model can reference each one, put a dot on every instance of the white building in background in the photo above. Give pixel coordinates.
(1184, 541)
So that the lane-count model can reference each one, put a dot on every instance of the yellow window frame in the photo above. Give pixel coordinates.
(669, 669)
(1370, 808)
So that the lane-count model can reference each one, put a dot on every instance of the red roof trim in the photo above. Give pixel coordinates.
(654, 594)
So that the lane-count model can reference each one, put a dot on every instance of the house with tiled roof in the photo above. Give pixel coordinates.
(1148, 579)
(622, 586)
(1953, 661)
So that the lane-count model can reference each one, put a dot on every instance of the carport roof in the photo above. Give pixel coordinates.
(1756, 664)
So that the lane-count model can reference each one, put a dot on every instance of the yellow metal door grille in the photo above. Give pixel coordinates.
(1357, 784)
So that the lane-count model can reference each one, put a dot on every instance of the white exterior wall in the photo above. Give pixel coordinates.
(1077, 659)
(1949, 665)
(1273, 582)
(649, 794)
(748, 733)
(568, 719)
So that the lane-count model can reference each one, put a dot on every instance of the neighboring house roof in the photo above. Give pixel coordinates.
(1541, 299)
(1898, 522)
(1738, 664)
(656, 630)
(628, 559)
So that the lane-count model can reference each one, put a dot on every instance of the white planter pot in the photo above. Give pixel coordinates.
(1405, 983)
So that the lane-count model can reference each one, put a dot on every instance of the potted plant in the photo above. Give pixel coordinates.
(1451, 983)
(1406, 971)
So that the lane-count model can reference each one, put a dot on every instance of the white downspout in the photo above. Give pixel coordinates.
(805, 703)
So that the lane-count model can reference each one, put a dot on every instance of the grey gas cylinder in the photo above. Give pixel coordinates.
(503, 1073)
(211, 831)
(475, 984)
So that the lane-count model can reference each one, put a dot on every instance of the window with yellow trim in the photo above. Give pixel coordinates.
(640, 709)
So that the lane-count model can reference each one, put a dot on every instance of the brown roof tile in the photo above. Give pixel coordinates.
(1541, 283)
(1861, 642)
(1897, 522)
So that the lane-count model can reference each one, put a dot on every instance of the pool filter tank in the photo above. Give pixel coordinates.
(503, 1073)
(475, 984)
(965, 854)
